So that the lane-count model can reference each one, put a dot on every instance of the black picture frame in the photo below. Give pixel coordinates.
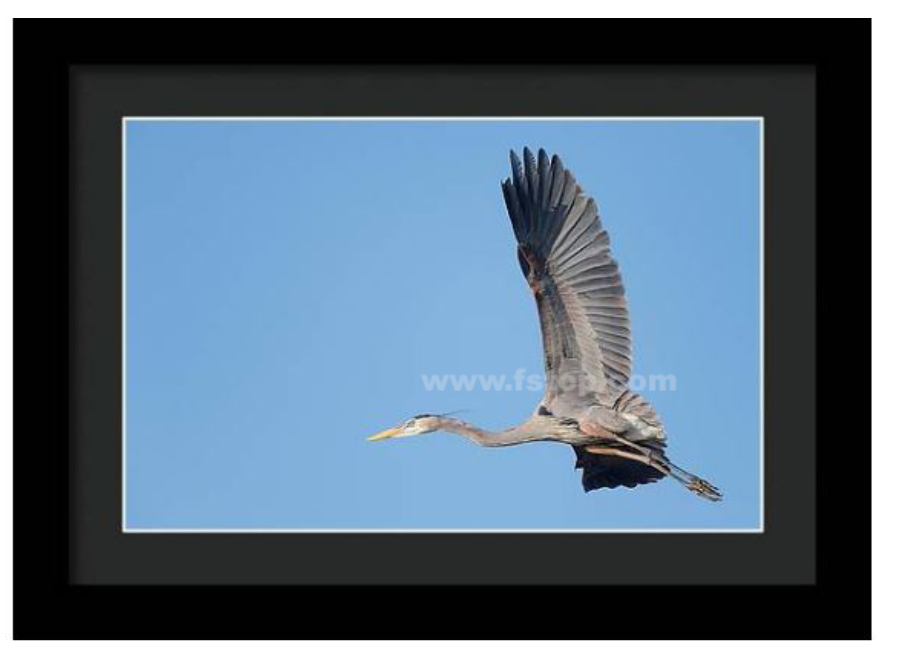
(55, 314)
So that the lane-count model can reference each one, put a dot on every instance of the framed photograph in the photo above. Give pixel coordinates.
(512, 333)
(226, 291)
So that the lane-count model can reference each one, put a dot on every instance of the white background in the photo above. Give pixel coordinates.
(884, 316)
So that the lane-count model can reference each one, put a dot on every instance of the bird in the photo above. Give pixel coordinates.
(564, 251)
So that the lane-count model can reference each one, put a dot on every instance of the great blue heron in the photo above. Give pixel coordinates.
(564, 252)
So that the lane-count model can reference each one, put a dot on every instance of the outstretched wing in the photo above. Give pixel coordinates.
(565, 255)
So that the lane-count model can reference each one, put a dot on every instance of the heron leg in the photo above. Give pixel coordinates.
(645, 455)
(695, 484)
(613, 451)
(640, 448)
(692, 482)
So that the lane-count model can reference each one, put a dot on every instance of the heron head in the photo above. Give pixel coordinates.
(414, 427)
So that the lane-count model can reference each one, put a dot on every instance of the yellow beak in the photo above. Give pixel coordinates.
(389, 433)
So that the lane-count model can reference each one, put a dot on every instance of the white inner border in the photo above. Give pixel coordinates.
(124, 200)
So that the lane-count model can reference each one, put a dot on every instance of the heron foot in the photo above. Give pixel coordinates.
(704, 489)
(698, 486)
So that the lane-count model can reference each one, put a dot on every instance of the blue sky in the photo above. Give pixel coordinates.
(290, 282)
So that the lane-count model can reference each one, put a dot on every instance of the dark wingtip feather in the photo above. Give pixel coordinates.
(517, 176)
(515, 164)
(544, 185)
(532, 177)
(515, 213)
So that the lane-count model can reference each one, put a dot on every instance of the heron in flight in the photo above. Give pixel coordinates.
(564, 251)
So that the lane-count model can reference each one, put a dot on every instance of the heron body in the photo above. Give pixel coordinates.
(564, 252)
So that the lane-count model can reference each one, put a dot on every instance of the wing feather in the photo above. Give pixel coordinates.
(564, 252)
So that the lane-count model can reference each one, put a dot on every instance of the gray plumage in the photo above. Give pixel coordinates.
(565, 254)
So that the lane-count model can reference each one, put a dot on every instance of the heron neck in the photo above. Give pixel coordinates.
(512, 436)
